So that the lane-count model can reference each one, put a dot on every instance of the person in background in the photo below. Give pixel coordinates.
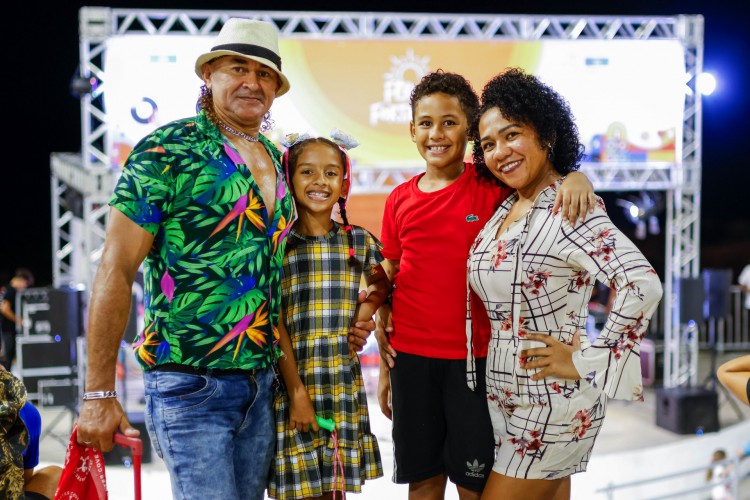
(40, 484)
(13, 436)
(735, 376)
(744, 282)
(11, 322)
(717, 474)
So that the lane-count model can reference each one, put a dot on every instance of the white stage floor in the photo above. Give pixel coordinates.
(630, 447)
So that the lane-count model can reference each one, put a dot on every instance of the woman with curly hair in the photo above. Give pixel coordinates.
(547, 384)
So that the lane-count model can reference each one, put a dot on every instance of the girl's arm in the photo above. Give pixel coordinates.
(576, 196)
(301, 410)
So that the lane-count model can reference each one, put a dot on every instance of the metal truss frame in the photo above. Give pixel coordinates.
(89, 174)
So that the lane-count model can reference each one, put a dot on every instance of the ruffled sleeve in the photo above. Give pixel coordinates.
(612, 362)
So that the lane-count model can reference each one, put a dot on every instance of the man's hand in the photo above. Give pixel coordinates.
(383, 331)
(98, 421)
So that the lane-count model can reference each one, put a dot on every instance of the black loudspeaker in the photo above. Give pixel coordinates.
(41, 358)
(33, 306)
(61, 392)
(687, 410)
(120, 455)
(42, 351)
(692, 297)
(66, 312)
(717, 283)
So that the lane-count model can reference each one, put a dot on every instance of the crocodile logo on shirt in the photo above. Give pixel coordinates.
(472, 218)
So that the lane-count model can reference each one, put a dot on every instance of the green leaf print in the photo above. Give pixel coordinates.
(186, 306)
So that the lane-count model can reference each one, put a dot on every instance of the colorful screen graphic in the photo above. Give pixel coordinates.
(627, 95)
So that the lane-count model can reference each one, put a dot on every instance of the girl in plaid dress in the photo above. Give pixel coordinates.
(323, 268)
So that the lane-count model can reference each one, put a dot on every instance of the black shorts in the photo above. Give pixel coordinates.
(440, 426)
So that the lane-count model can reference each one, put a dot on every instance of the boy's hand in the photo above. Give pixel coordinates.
(576, 196)
(384, 391)
(383, 330)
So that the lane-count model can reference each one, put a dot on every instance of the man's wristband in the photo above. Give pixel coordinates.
(87, 396)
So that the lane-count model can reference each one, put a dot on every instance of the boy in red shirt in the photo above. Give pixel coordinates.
(441, 429)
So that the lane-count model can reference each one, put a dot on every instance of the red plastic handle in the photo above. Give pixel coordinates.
(134, 443)
(136, 448)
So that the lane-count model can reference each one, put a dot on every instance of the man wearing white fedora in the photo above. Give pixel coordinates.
(203, 203)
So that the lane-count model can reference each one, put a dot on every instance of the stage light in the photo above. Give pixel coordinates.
(705, 83)
(633, 210)
(653, 225)
(640, 230)
(642, 210)
(81, 86)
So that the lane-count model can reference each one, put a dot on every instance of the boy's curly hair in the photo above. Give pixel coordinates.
(451, 84)
(524, 99)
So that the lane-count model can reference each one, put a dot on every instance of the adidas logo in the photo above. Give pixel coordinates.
(472, 218)
(474, 469)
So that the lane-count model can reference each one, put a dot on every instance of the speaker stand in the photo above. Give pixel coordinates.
(64, 438)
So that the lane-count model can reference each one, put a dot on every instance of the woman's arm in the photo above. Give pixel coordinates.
(612, 362)
(735, 375)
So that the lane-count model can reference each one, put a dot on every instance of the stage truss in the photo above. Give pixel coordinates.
(78, 238)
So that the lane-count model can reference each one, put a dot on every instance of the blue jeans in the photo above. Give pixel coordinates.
(215, 434)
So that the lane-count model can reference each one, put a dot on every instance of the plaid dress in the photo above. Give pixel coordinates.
(319, 300)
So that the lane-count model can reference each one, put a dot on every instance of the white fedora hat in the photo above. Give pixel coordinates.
(256, 40)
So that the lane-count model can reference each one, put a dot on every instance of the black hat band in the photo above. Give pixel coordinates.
(251, 50)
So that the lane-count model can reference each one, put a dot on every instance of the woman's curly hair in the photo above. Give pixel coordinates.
(451, 84)
(524, 99)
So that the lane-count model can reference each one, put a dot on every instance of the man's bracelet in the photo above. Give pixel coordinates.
(99, 395)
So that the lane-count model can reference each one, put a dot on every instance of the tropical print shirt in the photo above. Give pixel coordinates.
(213, 275)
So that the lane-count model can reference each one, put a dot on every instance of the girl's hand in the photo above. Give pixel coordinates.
(555, 360)
(302, 412)
(576, 195)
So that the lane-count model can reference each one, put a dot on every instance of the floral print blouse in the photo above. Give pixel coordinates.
(549, 283)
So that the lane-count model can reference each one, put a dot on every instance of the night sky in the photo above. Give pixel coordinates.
(41, 47)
